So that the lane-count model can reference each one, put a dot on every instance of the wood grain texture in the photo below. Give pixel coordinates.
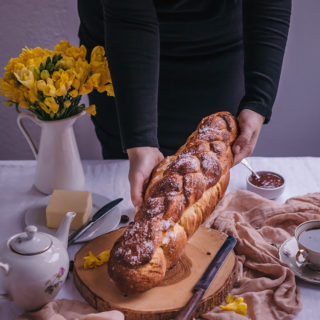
(165, 300)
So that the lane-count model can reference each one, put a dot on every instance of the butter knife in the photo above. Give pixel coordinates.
(203, 284)
(96, 217)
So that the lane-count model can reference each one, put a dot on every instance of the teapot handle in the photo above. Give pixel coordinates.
(25, 132)
(5, 268)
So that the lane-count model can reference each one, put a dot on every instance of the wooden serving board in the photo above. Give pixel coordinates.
(165, 300)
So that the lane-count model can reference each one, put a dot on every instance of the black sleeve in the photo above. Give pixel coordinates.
(265, 31)
(133, 50)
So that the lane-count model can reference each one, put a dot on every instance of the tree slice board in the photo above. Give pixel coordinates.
(165, 300)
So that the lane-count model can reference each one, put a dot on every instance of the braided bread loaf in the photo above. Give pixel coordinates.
(182, 192)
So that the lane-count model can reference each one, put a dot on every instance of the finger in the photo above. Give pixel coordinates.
(242, 147)
(136, 189)
(244, 153)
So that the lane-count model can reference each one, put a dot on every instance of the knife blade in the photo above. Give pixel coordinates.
(96, 217)
(204, 282)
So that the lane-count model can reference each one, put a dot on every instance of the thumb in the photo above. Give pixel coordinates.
(136, 189)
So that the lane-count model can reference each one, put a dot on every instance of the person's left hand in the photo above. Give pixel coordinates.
(250, 124)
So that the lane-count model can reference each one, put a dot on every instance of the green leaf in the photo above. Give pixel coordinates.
(42, 67)
(54, 59)
(41, 95)
(17, 108)
(48, 61)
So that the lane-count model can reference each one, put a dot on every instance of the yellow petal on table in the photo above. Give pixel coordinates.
(104, 256)
(235, 304)
(91, 261)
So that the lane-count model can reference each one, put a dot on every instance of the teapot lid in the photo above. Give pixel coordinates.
(30, 242)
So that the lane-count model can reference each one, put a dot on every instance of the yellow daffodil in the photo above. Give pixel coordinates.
(32, 96)
(50, 82)
(67, 104)
(76, 83)
(95, 78)
(74, 93)
(23, 104)
(44, 107)
(8, 103)
(24, 75)
(87, 87)
(235, 304)
(62, 46)
(61, 91)
(49, 89)
(91, 110)
(41, 84)
(97, 53)
(51, 104)
(76, 52)
(91, 261)
(110, 90)
(44, 75)
(67, 62)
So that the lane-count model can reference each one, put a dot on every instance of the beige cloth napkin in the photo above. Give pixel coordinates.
(267, 285)
(260, 227)
(70, 310)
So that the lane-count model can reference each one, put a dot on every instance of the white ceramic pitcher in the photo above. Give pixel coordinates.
(58, 160)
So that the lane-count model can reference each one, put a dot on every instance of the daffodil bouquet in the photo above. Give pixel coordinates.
(50, 83)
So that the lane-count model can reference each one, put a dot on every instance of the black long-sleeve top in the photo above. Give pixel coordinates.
(136, 33)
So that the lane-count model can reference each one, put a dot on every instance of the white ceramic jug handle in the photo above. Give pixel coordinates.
(5, 268)
(25, 131)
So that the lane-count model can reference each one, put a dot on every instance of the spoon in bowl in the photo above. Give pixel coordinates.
(246, 164)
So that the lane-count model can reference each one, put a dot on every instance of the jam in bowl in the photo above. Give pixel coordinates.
(269, 184)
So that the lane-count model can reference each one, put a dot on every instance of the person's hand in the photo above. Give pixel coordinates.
(250, 124)
(142, 162)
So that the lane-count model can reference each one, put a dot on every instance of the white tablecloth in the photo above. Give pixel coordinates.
(109, 178)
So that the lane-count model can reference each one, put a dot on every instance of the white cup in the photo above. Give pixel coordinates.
(306, 255)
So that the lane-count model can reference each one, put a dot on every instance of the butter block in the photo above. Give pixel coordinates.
(63, 201)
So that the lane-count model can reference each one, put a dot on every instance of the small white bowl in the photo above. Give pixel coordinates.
(267, 192)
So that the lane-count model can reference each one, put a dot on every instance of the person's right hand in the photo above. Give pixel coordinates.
(142, 161)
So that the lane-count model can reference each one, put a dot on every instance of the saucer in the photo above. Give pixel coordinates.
(36, 215)
(287, 253)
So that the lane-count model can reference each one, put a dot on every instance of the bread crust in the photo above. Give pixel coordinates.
(182, 192)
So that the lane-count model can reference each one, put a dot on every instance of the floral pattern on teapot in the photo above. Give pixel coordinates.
(54, 283)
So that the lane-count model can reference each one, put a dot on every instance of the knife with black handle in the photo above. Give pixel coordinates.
(203, 284)
(97, 216)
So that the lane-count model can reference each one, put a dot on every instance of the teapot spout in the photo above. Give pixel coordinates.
(63, 231)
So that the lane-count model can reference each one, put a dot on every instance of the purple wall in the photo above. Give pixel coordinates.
(294, 129)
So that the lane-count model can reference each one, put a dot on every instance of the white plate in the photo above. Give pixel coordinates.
(287, 253)
(36, 215)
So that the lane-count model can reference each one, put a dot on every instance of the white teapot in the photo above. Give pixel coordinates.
(34, 265)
